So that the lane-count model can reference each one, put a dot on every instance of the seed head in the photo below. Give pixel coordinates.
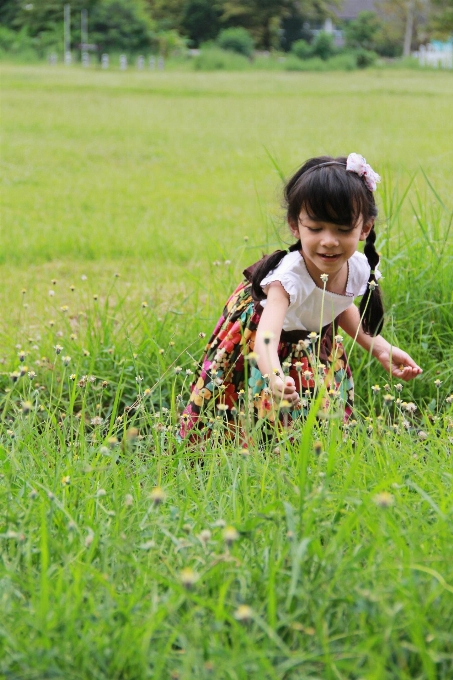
(178, 370)
(158, 495)
(144, 304)
(324, 278)
(27, 406)
(201, 335)
(64, 309)
(384, 499)
(230, 535)
(267, 337)
(66, 360)
(204, 536)
(438, 383)
(243, 613)
(66, 480)
(188, 578)
(58, 349)
(422, 435)
(372, 285)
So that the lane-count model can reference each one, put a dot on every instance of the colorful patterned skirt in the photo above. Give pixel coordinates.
(230, 391)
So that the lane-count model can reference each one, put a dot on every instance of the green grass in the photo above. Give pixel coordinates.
(156, 177)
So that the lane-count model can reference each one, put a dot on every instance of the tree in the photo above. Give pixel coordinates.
(39, 16)
(361, 32)
(405, 21)
(441, 20)
(120, 25)
(200, 20)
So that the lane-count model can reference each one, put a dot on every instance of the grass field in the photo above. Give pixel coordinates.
(130, 204)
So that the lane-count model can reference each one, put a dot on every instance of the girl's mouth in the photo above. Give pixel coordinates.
(328, 257)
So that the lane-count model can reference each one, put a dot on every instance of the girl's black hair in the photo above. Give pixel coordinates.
(329, 193)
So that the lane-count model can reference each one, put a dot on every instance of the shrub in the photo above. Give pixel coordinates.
(302, 49)
(314, 64)
(236, 40)
(215, 59)
(341, 62)
(323, 46)
(365, 58)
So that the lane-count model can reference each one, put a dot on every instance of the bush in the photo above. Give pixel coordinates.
(341, 62)
(365, 58)
(236, 40)
(302, 49)
(215, 59)
(323, 46)
(295, 64)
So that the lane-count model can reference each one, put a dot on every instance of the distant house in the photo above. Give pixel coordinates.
(348, 11)
(351, 8)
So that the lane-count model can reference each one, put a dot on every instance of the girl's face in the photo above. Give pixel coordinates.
(327, 247)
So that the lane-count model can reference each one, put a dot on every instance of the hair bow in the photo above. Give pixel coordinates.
(356, 163)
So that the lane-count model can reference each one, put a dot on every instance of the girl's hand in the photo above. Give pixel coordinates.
(285, 389)
(399, 363)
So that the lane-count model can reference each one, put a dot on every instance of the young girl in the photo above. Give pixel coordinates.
(277, 340)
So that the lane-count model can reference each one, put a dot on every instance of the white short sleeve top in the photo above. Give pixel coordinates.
(307, 300)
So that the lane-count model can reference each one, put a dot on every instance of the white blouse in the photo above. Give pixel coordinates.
(307, 300)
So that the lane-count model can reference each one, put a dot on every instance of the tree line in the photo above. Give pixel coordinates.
(164, 26)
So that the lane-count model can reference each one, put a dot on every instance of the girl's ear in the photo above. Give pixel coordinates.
(293, 229)
(367, 227)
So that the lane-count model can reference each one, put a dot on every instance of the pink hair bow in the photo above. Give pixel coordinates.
(356, 163)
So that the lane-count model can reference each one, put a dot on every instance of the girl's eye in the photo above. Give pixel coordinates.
(315, 229)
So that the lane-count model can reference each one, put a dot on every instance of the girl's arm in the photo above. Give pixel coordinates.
(267, 340)
(393, 359)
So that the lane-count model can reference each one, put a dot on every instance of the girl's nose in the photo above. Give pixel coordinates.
(329, 240)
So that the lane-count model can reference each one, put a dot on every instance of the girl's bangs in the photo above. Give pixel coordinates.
(330, 195)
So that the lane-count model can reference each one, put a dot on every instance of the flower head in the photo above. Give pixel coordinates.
(188, 578)
(158, 495)
(230, 535)
(243, 613)
(324, 278)
(384, 499)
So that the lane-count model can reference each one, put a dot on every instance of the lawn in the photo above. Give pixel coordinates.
(130, 204)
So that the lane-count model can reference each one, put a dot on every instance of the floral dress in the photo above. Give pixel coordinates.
(230, 389)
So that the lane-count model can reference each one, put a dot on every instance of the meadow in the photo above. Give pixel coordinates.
(131, 202)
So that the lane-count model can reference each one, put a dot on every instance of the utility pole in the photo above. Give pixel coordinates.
(67, 34)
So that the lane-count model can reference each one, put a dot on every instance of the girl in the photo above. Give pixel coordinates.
(284, 316)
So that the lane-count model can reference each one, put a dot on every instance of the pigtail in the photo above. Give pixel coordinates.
(371, 305)
(267, 265)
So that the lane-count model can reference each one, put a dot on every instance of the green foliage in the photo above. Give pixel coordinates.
(43, 16)
(323, 46)
(302, 49)
(200, 21)
(236, 40)
(441, 18)
(213, 58)
(119, 25)
(293, 63)
(364, 58)
(361, 32)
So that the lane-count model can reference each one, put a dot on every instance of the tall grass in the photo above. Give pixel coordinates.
(128, 553)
